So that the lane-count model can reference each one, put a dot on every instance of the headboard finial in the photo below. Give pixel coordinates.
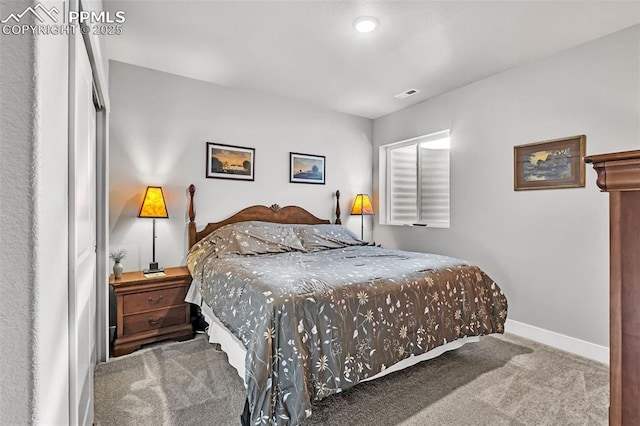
(338, 220)
(192, 217)
(192, 213)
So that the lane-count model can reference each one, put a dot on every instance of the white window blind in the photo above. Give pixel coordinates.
(417, 181)
(434, 185)
(403, 178)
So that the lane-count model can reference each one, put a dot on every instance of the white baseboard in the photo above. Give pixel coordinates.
(559, 341)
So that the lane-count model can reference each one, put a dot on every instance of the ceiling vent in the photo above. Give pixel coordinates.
(406, 94)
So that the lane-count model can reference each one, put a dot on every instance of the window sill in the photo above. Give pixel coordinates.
(419, 225)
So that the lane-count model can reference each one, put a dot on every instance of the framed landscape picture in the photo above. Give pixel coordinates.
(306, 168)
(550, 164)
(230, 162)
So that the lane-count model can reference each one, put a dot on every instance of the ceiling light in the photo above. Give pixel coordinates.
(365, 24)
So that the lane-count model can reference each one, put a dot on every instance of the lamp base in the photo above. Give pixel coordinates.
(153, 267)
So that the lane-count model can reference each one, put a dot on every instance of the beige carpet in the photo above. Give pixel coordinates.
(502, 380)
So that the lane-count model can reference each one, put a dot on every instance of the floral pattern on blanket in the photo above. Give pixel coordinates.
(317, 323)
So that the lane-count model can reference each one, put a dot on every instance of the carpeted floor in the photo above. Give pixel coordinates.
(502, 380)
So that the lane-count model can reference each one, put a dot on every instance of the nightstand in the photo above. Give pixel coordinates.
(151, 309)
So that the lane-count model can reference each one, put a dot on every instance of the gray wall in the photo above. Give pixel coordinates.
(159, 126)
(33, 224)
(17, 99)
(547, 249)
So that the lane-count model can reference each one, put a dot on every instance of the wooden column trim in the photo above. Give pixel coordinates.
(615, 311)
(619, 174)
(619, 171)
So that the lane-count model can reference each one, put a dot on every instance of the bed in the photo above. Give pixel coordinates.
(304, 309)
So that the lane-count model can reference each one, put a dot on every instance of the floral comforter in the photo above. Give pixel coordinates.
(315, 322)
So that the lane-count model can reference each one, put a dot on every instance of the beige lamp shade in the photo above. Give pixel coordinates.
(153, 205)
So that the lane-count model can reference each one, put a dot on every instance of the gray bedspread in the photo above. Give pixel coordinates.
(315, 323)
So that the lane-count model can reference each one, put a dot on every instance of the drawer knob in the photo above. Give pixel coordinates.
(153, 321)
(155, 302)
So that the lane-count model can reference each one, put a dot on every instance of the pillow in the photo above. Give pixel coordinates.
(248, 238)
(323, 237)
(196, 252)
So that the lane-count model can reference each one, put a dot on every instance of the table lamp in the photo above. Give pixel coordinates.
(153, 207)
(361, 207)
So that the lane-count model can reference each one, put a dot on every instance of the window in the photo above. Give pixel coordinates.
(414, 181)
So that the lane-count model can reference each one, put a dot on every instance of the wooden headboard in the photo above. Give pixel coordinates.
(275, 214)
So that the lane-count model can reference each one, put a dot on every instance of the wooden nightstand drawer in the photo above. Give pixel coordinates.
(151, 309)
(153, 320)
(149, 300)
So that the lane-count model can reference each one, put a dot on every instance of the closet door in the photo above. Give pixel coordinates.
(82, 235)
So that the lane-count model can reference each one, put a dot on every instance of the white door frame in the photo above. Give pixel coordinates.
(100, 78)
(82, 234)
(100, 330)
(102, 235)
(96, 59)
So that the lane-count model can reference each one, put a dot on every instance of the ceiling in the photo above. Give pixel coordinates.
(309, 51)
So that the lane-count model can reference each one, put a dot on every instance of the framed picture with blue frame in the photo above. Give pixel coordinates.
(556, 163)
(306, 168)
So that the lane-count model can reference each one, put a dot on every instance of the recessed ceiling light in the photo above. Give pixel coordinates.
(365, 24)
